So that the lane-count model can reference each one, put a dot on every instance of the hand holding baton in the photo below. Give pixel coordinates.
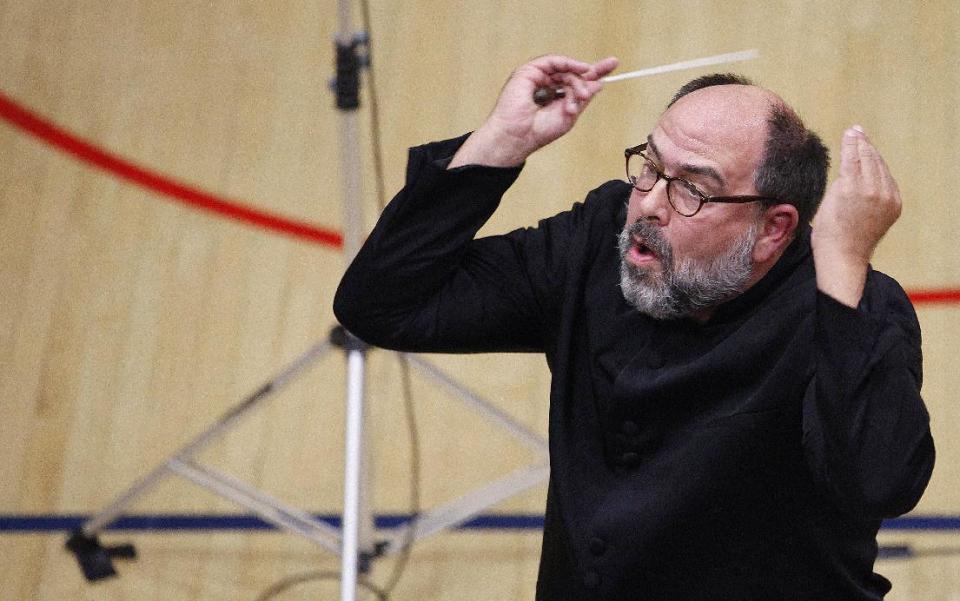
(545, 94)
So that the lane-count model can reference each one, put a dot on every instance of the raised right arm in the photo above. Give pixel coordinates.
(421, 282)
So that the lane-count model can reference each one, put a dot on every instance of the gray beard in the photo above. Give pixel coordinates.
(688, 287)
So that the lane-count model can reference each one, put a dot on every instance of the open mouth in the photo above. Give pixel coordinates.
(640, 253)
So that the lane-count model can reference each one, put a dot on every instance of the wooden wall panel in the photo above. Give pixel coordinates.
(129, 322)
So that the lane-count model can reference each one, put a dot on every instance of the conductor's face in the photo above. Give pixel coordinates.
(674, 265)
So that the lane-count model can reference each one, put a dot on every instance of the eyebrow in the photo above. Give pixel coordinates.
(688, 168)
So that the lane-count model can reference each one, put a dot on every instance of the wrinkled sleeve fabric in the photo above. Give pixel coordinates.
(421, 282)
(866, 430)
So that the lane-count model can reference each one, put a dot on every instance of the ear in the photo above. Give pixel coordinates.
(777, 225)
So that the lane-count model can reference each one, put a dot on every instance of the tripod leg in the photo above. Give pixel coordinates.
(352, 475)
(483, 407)
(94, 559)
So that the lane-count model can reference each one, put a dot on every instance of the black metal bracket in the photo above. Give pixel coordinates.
(340, 337)
(349, 61)
(365, 559)
(95, 560)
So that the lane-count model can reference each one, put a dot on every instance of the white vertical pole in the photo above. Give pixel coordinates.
(352, 475)
(357, 528)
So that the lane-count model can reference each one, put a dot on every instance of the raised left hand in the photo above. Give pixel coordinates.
(857, 210)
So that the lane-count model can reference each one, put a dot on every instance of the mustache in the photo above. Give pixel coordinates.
(650, 236)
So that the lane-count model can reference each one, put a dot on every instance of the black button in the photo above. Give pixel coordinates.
(629, 428)
(591, 579)
(630, 459)
(598, 546)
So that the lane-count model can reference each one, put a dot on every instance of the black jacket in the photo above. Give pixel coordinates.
(751, 457)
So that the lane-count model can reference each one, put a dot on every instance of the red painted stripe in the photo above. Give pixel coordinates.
(88, 153)
(927, 297)
(60, 138)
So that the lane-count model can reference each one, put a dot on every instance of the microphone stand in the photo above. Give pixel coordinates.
(357, 522)
(354, 541)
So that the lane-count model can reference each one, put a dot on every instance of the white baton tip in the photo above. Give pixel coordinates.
(707, 61)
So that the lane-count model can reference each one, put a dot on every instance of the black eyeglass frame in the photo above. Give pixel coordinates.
(638, 151)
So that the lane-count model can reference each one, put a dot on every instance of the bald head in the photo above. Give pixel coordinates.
(729, 106)
(788, 161)
(726, 122)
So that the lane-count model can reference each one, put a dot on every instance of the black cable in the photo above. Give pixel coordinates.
(415, 458)
(296, 579)
(374, 110)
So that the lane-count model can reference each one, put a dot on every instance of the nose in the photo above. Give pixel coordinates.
(650, 206)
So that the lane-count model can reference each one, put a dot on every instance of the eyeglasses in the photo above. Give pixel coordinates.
(684, 197)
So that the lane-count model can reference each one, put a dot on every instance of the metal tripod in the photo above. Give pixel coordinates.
(357, 541)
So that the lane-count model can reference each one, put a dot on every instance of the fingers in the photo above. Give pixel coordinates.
(553, 63)
(604, 67)
(860, 159)
(864, 175)
(577, 87)
(871, 164)
(579, 80)
(850, 152)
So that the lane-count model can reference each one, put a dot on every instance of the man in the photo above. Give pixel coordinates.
(735, 400)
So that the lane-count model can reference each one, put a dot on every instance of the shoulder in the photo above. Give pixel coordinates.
(602, 206)
(610, 196)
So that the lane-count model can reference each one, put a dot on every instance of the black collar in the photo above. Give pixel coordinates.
(796, 253)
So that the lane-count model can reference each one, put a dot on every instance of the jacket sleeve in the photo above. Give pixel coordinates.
(866, 431)
(421, 282)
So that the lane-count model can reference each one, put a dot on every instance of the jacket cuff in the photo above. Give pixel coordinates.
(433, 158)
(846, 336)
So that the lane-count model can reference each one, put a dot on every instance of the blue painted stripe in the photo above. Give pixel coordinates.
(894, 552)
(179, 521)
(924, 522)
(165, 522)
